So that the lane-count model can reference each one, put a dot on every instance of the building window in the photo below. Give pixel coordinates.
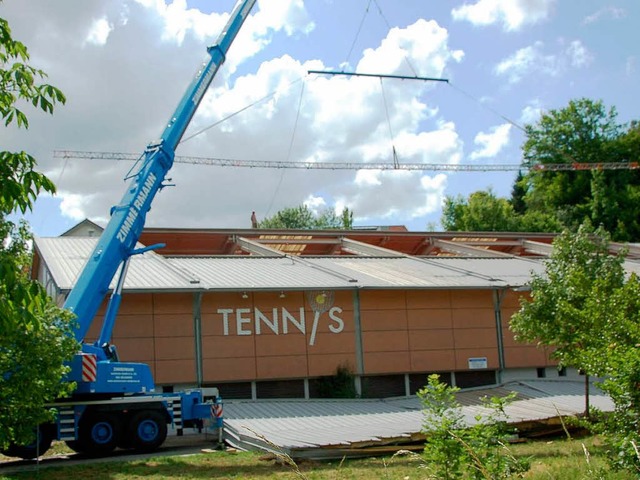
(280, 389)
(475, 378)
(417, 381)
(383, 386)
(236, 390)
(562, 372)
(542, 372)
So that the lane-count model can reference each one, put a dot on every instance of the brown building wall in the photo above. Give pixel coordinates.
(156, 329)
(266, 337)
(517, 354)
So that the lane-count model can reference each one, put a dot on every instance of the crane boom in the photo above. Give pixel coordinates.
(117, 243)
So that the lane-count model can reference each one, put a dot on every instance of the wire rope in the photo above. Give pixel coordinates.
(486, 107)
(293, 135)
(246, 107)
(353, 44)
(391, 136)
(406, 57)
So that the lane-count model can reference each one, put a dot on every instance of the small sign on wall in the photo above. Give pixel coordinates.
(476, 363)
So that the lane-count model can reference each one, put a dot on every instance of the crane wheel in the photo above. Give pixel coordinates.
(99, 434)
(75, 445)
(147, 430)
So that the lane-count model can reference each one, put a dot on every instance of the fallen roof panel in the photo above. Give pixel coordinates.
(324, 429)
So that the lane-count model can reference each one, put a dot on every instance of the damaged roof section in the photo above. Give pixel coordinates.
(64, 258)
(327, 429)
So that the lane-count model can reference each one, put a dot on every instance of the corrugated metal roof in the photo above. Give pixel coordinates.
(65, 257)
(436, 272)
(515, 271)
(246, 272)
(316, 428)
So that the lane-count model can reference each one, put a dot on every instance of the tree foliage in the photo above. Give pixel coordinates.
(303, 218)
(36, 337)
(558, 313)
(585, 131)
(588, 311)
(457, 450)
(483, 211)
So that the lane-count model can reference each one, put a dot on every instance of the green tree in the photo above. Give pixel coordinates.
(556, 314)
(302, 218)
(584, 132)
(346, 218)
(482, 211)
(617, 361)
(547, 200)
(588, 311)
(518, 193)
(36, 339)
(457, 450)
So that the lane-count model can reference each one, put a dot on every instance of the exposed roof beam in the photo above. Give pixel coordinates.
(367, 250)
(633, 250)
(255, 248)
(467, 250)
(288, 240)
(537, 247)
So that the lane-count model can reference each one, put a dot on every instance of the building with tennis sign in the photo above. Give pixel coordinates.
(277, 313)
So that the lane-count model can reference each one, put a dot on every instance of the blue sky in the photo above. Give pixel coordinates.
(124, 65)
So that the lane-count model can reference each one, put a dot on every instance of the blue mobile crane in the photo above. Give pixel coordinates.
(115, 403)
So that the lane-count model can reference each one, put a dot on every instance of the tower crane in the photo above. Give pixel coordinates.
(310, 165)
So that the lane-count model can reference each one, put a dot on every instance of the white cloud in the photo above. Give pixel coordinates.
(119, 97)
(368, 178)
(99, 31)
(611, 12)
(315, 204)
(531, 113)
(526, 60)
(289, 15)
(399, 195)
(532, 60)
(578, 54)
(73, 205)
(492, 143)
(419, 49)
(513, 14)
(344, 119)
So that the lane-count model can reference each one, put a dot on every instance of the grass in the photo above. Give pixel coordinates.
(558, 459)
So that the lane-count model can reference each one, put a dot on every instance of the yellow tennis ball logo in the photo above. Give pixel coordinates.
(320, 298)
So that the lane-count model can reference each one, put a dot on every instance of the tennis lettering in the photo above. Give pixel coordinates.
(247, 321)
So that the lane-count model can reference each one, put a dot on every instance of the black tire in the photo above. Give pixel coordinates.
(99, 434)
(147, 430)
(75, 445)
(38, 448)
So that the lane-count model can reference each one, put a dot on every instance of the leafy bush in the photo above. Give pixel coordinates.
(456, 450)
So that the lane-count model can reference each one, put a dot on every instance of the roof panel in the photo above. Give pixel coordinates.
(247, 272)
(66, 256)
(314, 428)
(436, 272)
